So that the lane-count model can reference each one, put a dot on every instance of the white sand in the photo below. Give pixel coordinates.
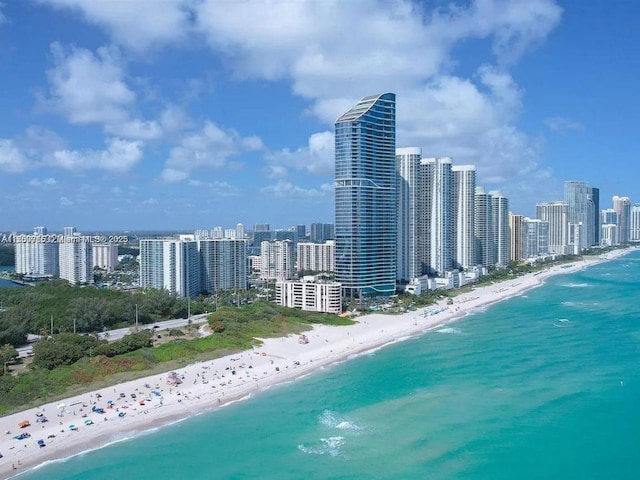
(211, 384)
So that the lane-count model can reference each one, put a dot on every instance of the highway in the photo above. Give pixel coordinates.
(113, 335)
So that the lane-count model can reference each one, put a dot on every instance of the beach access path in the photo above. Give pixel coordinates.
(76, 424)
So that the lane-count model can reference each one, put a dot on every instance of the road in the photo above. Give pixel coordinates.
(112, 335)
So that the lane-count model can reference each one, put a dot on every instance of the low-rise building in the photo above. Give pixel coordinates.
(310, 294)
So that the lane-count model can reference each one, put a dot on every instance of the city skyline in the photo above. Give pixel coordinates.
(189, 120)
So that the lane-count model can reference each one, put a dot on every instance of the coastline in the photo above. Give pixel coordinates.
(216, 383)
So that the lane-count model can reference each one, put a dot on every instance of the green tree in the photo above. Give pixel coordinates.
(62, 349)
(7, 355)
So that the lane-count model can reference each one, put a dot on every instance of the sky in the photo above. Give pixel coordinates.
(184, 114)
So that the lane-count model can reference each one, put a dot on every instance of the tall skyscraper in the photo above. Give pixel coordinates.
(483, 228)
(438, 218)
(500, 225)
(277, 260)
(579, 205)
(301, 231)
(105, 256)
(240, 231)
(365, 196)
(224, 264)
(557, 214)
(320, 232)
(622, 205)
(75, 258)
(316, 257)
(171, 264)
(516, 237)
(38, 256)
(595, 198)
(408, 198)
(536, 237)
(464, 188)
(635, 223)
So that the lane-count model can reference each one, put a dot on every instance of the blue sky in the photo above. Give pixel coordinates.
(182, 114)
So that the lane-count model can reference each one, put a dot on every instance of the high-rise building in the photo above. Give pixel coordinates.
(240, 231)
(37, 255)
(609, 234)
(464, 187)
(580, 215)
(635, 223)
(438, 215)
(609, 215)
(261, 227)
(500, 225)
(516, 237)
(301, 231)
(409, 196)
(276, 260)
(316, 257)
(320, 232)
(483, 228)
(104, 256)
(74, 252)
(557, 214)
(595, 198)
(173, 265)
(365, 196)
(622, 205)
(536, 237)
(224, 264)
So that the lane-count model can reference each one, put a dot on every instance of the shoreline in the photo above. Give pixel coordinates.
(213, 384)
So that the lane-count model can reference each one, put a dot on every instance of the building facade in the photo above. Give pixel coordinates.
(310, 295)
(516, 237)
(557, 214)
(316, 257)
(483, 229)
(365, 197)
(105, 256)
(622, 205)
(277, 260)
(74, 255)
(580, 214)
(438, 214)
(408, 201)
(634, 234)
(173, 265)
(463, 213)
(500, 225)
(536, 238)
(224, 264)
(36, 255)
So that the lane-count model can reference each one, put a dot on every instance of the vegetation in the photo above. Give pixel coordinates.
(69, 363)
(86, 310)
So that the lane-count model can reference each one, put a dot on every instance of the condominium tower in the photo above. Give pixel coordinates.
(408, 200)
(438, 213)
(463, 214)
(365, 196)
(224, 264)
(483, 228)
(500, 226)
(516, 237)
(634, 235)
(557, 214)
(622, 205)
(580, 214)
(74, 254)
(173, 265)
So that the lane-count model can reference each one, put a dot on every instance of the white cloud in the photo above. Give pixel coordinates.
(135, 24)
(136, 129)
(317, 158)
(65, 202)
(89, 88)
(210, 148)
(223, 189)
(563, 125)
(34, 182)
(12, 159)
(120, 156)
(284, 188)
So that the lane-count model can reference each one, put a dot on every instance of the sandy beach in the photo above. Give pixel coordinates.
(96, 418)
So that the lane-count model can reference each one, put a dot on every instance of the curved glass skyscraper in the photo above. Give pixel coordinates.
(365, 190)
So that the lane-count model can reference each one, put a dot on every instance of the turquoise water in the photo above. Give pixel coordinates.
(542, 386)
(7, 283)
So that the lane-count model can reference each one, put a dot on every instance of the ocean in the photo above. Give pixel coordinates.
(542, 386)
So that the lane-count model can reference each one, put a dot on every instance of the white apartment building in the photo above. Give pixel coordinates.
(224, 264)
(310, 295)
(557, 214)
(535, 238)
(609, 234)
(483, 229)
(634, 234)
(173, 265)
(622, 205)
(105, 256)
(74, 252)
(500, 225)
(36, 255)
(408, 198)
(316, 257)
(464, 187)
(438, 214)
(277, 260)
